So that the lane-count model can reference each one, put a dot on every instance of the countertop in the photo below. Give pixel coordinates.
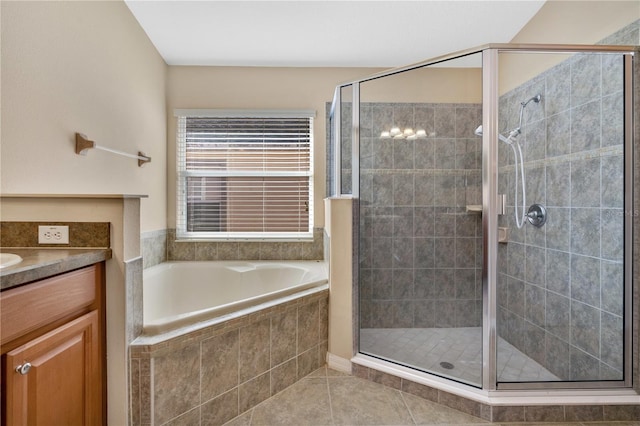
(43, 263)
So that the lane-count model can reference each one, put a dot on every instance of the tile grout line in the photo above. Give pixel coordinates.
(200, 382)
(261, 403)
(407, 407)
(329, 394)
(237, 333)
(251, 416)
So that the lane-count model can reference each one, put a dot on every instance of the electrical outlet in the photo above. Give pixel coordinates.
(53, 234)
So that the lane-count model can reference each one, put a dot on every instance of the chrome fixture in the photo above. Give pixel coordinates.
(518, 161)
(503, 138)
(537, 215)
(537, 98)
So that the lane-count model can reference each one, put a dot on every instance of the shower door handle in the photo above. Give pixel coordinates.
(502, 204)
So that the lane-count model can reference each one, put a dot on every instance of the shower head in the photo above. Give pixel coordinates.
(535, 99)
(515, 132)
(507, 140)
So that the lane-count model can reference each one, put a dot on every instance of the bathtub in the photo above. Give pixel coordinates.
(259, 320)
(179, 294)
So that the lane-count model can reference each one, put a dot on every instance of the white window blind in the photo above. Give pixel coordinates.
(245, 175)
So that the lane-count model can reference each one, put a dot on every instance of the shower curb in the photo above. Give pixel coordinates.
(503, 413)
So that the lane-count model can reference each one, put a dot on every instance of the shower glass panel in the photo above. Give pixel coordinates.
(346, 133)
(339, 157)
(420, 218)
(560, 285)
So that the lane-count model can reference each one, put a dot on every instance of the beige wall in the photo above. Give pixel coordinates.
(81, 67)
(338, 213)
(255, 88)
(563, 22)
(430, 84)
(578, 22)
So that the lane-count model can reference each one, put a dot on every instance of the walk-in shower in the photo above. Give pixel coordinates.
(457, 281)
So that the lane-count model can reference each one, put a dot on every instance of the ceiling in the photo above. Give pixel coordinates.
(326, 33)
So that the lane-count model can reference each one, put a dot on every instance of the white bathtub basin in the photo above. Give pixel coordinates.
(182, 293)
(9, 259)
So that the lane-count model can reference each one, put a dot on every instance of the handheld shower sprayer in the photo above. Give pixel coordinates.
(512, 141)
(503, 138)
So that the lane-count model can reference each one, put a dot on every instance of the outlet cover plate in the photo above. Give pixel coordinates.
(53, 234)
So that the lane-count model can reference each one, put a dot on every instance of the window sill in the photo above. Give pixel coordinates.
(244, 240)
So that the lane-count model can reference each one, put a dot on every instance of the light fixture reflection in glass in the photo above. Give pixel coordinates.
(407, 133)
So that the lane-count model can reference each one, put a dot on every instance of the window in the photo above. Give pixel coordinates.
(245, 174)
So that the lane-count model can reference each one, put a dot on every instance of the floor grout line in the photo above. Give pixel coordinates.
(251, 416)
(413, 419)
(333, 422)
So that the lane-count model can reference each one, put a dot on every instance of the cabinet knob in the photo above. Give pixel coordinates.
(24, 368)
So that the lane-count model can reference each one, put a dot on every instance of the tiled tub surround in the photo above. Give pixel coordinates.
(560, 287)
(211, 375)
(154, 247)
(420, 250)
(159, 246)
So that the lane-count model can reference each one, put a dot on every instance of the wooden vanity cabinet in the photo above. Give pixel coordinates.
(53, 350)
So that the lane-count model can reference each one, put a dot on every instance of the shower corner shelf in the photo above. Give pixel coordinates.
(474, 208)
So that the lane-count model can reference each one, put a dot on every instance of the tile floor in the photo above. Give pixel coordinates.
(328, 397)
(460, 348)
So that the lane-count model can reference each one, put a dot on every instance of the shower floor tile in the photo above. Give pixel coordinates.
(450, 352)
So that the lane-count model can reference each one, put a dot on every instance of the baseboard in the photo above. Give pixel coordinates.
(338, 363)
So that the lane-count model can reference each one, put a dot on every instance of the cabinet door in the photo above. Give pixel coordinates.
(61, 384)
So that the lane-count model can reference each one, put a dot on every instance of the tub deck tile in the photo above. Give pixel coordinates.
(219, 364)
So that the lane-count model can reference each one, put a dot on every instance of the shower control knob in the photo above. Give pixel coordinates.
(537, 215)
(24, 368)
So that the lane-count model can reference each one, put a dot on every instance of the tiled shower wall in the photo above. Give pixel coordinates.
(420, 250)
(560, 287)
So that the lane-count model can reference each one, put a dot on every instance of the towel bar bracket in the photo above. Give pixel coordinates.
(83, 145)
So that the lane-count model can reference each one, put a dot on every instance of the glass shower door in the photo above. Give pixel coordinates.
(560, 287)
(420, 233)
